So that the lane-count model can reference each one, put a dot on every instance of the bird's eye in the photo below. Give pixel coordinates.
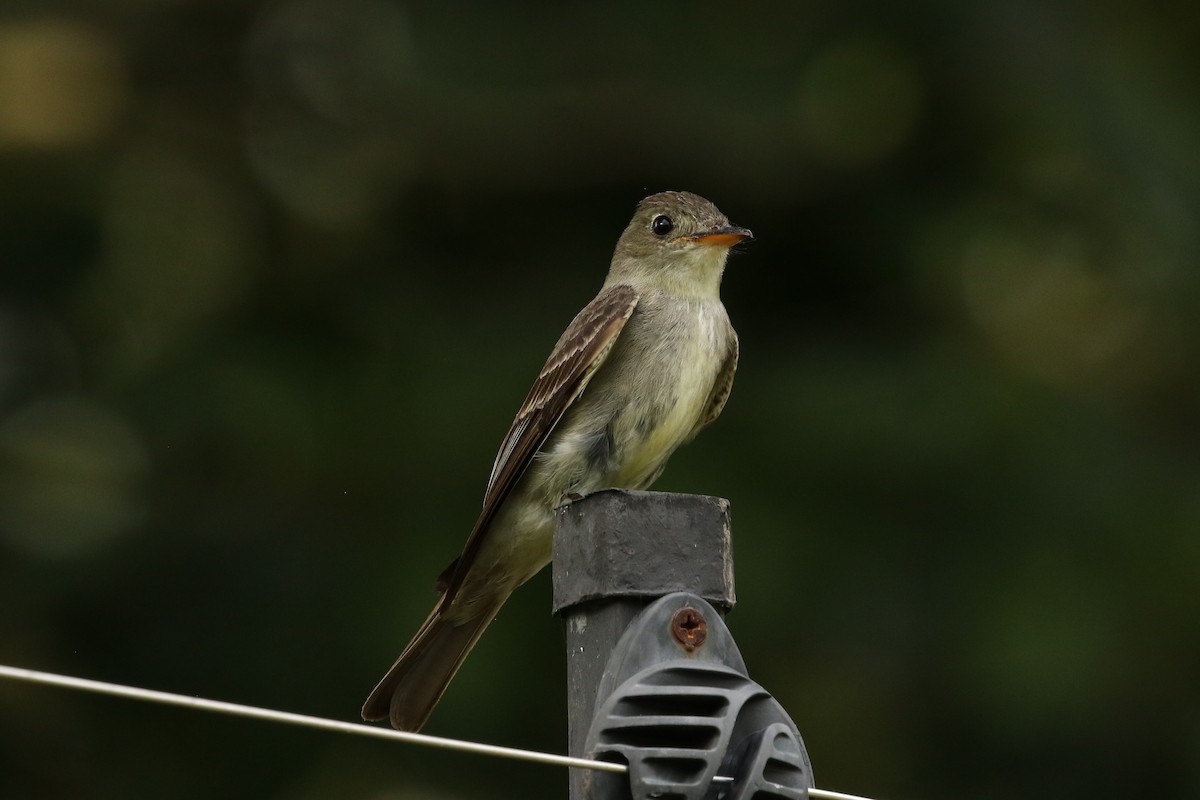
(662, 225)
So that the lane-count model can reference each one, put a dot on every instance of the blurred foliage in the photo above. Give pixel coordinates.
(274, 277)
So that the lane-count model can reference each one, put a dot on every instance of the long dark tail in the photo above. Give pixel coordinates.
(415, 683)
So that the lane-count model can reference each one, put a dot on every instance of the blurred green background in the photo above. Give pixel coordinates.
(274, 278)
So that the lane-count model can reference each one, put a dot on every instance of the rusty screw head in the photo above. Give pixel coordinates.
(689, 628)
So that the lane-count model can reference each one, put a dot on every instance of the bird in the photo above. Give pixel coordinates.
(646, 365)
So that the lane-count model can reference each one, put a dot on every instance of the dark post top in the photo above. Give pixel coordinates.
(615, 552)
(620, 543)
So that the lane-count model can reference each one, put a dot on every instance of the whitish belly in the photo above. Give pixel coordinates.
(688, 382)
(645, 456)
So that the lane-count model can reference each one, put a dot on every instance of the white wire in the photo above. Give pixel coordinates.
(303, 720)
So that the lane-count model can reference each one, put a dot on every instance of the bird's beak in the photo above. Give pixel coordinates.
(726, 236)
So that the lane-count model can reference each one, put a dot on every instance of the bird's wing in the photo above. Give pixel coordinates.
(580, 351)
(721, 388)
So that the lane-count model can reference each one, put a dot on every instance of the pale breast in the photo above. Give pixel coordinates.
(641, 405)
(677, 374)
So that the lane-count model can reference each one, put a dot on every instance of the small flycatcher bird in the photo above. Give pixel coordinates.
(646, 365)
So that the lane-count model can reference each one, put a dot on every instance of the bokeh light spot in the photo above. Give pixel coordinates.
(70, 477)
(182, 248)
(62, 84)
(327, 129)
(857, 102)
(1046, 306)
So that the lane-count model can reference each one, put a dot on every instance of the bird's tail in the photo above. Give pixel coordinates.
(415, 683)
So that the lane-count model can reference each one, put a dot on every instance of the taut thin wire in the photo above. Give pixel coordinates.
(303, 720)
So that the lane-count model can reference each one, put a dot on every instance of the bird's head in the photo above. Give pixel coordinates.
(676, 240)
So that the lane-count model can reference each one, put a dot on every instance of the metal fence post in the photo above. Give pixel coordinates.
(616, 551)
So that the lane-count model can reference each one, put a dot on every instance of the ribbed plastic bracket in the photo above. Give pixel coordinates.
(679, 709)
